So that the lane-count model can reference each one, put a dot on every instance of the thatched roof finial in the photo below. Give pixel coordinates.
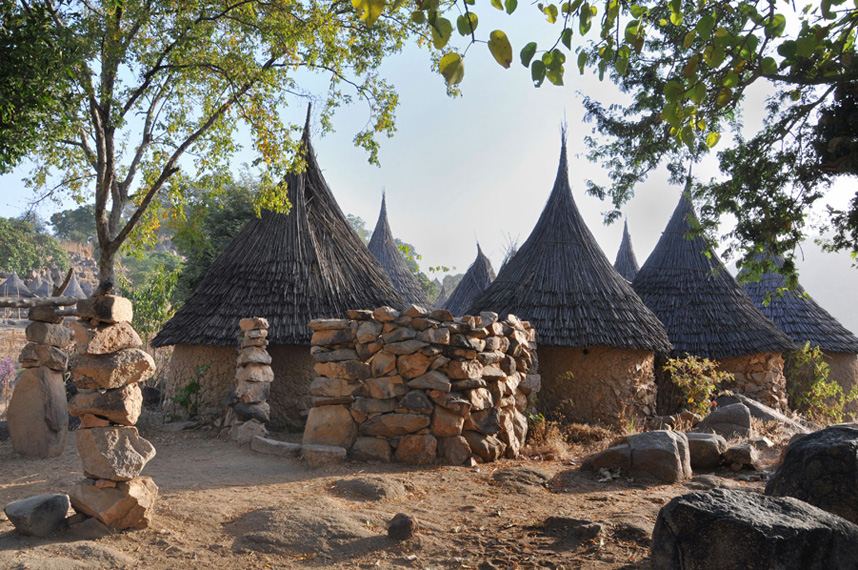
(626, 263)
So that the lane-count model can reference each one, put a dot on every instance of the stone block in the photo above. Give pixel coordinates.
(432, 380)
(253, 355)
(487, 447)
(332, 387)
(393, 425)
(416, 401)
(464, 369)
(453, 401)
(368, 331)
(417, 449)
(254, 373)
(252, 323)
(405, 346)
(117, 453)
(330, 425)
(454, 450)
(446, 423)
(48, 333)
(336, 355)
(323, 455)
(38, 420)
(120, 406)
(386, 387)
(107, 371)
(705, 450)
(33, 355)
(106, 338)
(385, 314)
(329, 324)
(127, 505)
(332, 337)
(412, 365)
(347, 369)
(243, 433)
(371, 449)
(253, 392)
(260, 411)
(45, 315)
(106, 309)
(273, 447)
(382, 363)
(39, 516)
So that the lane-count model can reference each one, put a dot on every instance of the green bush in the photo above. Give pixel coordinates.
(699, 380)
(809, 389)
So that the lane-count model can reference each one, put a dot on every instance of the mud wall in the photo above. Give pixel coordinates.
(759, 376)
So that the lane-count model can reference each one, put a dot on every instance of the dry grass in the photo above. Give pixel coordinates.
(555, 438)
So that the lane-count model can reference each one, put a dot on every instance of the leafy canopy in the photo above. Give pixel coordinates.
(23, 248)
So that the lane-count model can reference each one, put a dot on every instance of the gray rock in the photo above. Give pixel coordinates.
(322, 455)
(821, 468)
(4, 430)
(660, 455)
(730, 421)
(761, 411)
(724, 529)
(268, 446)
(741, 456)
(705, 450)
(260, 411)
(402, 527)
(41, 515)
(371, 449)
(417, 402)
(38, 419)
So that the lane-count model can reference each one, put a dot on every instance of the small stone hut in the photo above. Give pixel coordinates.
(596, 337)
(626, 263)
(383, 248)
(476, 280)
(290, 269)
(803, 320)
(707, 314)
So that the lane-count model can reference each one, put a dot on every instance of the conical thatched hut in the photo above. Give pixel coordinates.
(476, 280)
(596, 339)
(289, 268)
(442, 298)
(383, 247)
(626, 263)
(803, 320)
(14, 287)
(707, 314)
(40, 287)
(74, 289)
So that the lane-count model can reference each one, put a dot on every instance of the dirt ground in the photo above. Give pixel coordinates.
(225, 506)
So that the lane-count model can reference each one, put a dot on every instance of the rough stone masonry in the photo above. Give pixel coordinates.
(421, 387)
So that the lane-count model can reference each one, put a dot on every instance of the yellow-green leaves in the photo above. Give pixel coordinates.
(550, 12)
(553, 61)
(582, 61)
(369, 10)
(776, 26)
(712, 139)
(527, 53)
(500, 47)
(467, 24)
(442, 29)
(587, 13)
(510, 6)
(452, 68)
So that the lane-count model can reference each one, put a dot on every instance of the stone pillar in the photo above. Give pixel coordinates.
(253, 375)
(109, 401)
(38, 421)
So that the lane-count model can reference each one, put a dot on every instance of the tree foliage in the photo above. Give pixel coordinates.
(23, 249)
(77, 224)
(161, 88)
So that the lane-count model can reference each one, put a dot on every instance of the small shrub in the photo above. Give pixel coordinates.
(698, 379)
(189, 396)
(809, 389)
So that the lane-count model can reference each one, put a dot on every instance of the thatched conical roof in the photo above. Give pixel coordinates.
(74, 289)
(476, 280)
(289, 268)
(797, 314)
(441, 301)
(383, 247)
(705, 311)
(14, 287)
(561, 281)
(626, 263)
(40, 287)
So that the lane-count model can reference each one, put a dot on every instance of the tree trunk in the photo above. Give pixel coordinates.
(106, 259)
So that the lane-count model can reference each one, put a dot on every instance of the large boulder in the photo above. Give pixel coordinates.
(106, 371)
(120, 405)
(38, 420)
(660, 455)
(761, 411)
(38, 516)
(724, 528)
(128, 504)
(730, 421)
(330, 425)
(821, 468)
(117, 453)
(705, 450)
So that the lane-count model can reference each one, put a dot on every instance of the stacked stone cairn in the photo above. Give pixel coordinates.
(38, 422)
(109, 401)
(422, 387)
(249, 409)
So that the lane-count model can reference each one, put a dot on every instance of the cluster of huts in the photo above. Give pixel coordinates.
(603, 330)
(43, 285)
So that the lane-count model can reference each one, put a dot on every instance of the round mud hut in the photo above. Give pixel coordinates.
(383, 248)
(707, 314)
(626, 263)
(290, 269)
(476, 280)
(14, 287)
(803, 320)
(596, 338)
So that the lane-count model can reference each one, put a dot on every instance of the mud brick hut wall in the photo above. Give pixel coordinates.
(420, 386)
(759, 376)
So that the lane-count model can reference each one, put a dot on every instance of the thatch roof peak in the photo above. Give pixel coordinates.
(289, 268)
(626, 263)
(705, 311)
(797, 314)
(476, 280)
(383, 247)
(561, 281)
(14, 287)
(74, 289)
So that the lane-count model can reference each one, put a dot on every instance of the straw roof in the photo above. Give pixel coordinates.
(441, 301)
(705, 311)
(561, 281)
(383, 247)
(626, 263)
(478, 277)
(14, 287)
(41, 287)
(289, 268)
(74, 289)
(798, 315)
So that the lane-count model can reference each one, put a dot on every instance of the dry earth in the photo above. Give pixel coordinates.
(224, 506)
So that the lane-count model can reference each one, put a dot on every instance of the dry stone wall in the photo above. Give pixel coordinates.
(759, 376)
(249, 409)
(109, 401)
(421, 387)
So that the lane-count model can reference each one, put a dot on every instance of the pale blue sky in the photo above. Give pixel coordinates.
(481, 166)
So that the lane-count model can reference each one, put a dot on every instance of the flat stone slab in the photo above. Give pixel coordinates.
(322, 455)
(268, 446)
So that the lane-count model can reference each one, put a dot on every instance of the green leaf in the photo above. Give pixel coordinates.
(725, 95)
(686, 135)
(585, 19)
(698, 93)
(510, 6)
(689, 39)
(441, 32)
(713, 56)
(805, 46)
(500, 48)
(566, 38)
(675, 6)
(705, 26)
(631, 32)
(497, 4)
(787, 49)
(673, 91)
(369, 10)
(712, 139)
(776, 26)
(669, 115)
(676, 18)
(769, 66)
(621, 64)
(825, 8)
(550, 12)
(637, 11)
(418, 17)
(467, 23)
(537, 72)
(527, 53)
(731, 79)
(452, 68)
(582, 61)
(555, 76)
(553, 59)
